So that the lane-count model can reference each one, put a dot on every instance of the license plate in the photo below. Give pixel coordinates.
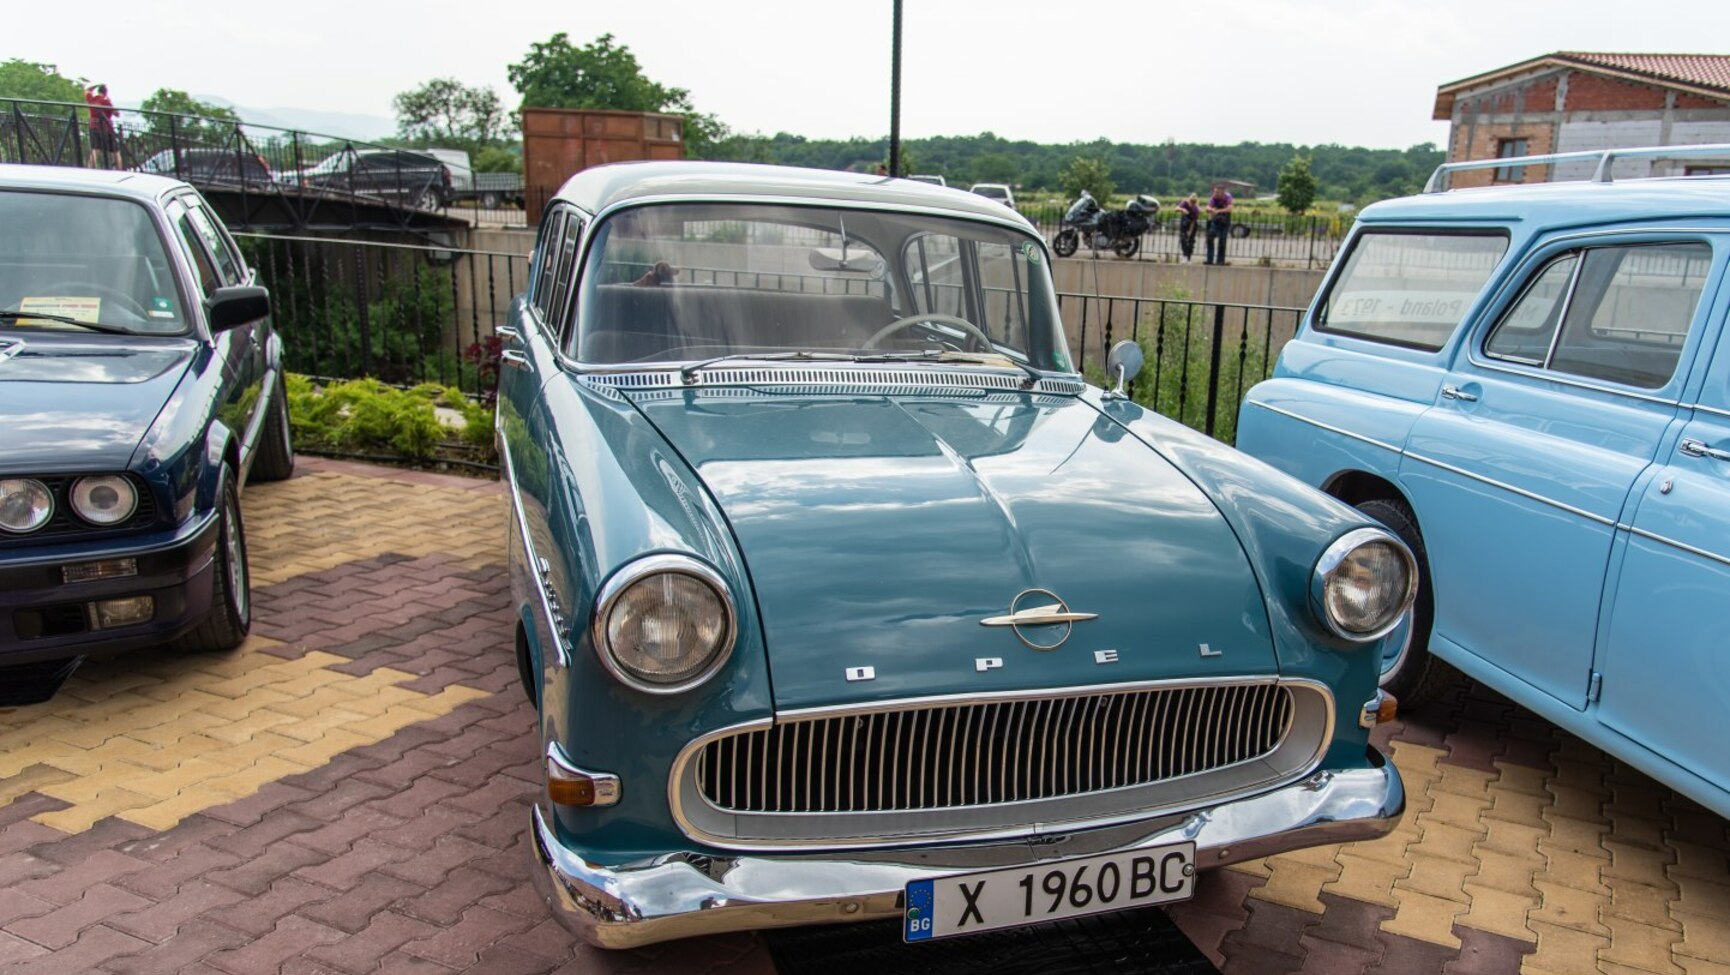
(1048, 891)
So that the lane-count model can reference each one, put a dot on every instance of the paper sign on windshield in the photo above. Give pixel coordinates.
(77, 309)
(1434, 307)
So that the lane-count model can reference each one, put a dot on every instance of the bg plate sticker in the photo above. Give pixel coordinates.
(161, 307)
(77, 309)
(917, 920)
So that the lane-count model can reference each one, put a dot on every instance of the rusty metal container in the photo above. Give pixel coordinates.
(560, 141)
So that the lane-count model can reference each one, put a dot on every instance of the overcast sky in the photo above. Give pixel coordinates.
(1357, 72)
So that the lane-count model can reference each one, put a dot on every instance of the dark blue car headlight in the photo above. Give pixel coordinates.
(26, 504)
(664, 624)
(104, 500)
(1363, 584)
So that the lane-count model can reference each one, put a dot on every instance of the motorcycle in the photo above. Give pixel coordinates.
(1116, 230)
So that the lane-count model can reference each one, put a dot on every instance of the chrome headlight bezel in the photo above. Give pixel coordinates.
(644, 569)
(31, 485)
(77, 494)
(1328, 565)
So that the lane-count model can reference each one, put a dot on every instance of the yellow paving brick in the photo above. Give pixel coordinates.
(381, 700)
(445, 701)
(1424, 917)
(237, 709)
(388, 723)
(86, 813)
(1578, 802)
(246, 781)
(1255, 868)
(1367, 880)
(332, 743)
(1523, 779)
(1696, 896)
(1295, 884)
(1573, 869)
(166, 733)
(1437, 877)
(1446, 840)
(1634, 863)
(169, 812)
(1640, 946)
(1575, 836)
(237, 757)
(1570, 907)
(314, 727)
(31, 779)
(1644, 903)
(1564, 951)
(1512, 839)
(1511, 873)
(1420, 761)
(1700, 966)
(1709, 863)
(1704, 936)
(191, 772)
(306, 683)
(1390, 848)
(249, 724)
(320, 700)
(1499, 912)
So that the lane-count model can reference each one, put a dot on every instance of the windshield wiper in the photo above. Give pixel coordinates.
(13, 316)
(950, 355)
(688, 373)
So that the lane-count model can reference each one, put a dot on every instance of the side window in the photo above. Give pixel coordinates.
(933, 263)
(1001, 277)
(227, 262)
(1622, 314)
(208, 281)
(565, 259)
(548, 256)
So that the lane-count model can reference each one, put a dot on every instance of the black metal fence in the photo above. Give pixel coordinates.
(409, 314)
(1255, 237)
(316, 180)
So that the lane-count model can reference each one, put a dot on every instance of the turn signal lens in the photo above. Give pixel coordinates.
(568, 785)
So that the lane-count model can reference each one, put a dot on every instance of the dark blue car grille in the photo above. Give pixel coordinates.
(65, 523)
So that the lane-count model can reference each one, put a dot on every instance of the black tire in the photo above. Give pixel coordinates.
(1126, 246)
(1065, 243)
(230, 616)
(1240, 230)
(492, 200)
(429, 199)
(1421, 677)
(275, 458)
(526, 668)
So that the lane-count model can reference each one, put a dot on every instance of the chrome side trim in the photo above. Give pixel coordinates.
(1684, 546)
(1325, 426)
(685, 894)
(1715, 411)
(679, 778)
(1522, 492)
(1544, 374)
(538, 567)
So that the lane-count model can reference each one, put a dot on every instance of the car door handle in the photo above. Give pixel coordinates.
(514, 359)
(1450, 391)
(1698, 448)
(507, 332)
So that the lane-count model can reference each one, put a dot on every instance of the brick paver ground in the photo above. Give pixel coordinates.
(348, 794)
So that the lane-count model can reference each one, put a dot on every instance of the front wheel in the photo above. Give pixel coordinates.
(1409, 671)
(1065, 243)
(275, 458)
(492, 200)
(230, 617)
(429, 199)
(1240, 230)
(1126, 246)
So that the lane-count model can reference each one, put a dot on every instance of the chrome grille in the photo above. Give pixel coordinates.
(991, 753)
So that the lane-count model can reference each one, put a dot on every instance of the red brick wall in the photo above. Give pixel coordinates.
(1484, 140)
(1594, 93)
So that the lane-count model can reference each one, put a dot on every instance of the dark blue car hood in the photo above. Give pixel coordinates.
(71, 403)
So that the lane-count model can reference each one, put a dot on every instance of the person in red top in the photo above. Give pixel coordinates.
(104, 140)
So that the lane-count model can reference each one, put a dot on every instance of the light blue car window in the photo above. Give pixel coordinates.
(1526, 333)
(934, 267)
(1410, 288)
(1629, 315)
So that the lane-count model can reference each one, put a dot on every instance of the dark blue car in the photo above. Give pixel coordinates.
(140, 387)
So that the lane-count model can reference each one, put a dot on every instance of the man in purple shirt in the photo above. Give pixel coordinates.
(1218, 224)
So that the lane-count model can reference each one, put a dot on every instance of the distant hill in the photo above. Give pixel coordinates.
(347, 125)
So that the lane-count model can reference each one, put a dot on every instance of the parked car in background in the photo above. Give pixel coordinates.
(140, 388)
(995, 191)
(842, 596)
(1531, 386)
(489, 191)
(210, 166)
(927, 178)
(404, 176)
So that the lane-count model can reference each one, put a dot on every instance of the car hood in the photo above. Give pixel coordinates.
(880, 530)
(68, 404)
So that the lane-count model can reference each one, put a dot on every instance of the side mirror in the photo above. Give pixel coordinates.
(1123, 362)
(228, 308)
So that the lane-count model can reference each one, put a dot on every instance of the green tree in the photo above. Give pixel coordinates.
(31, 79)
(446, 112)
(995, 167)
(605, 75)
(1297, 186)
(1088, 173)
(192, 120)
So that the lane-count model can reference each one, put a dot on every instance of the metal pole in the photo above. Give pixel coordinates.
(895, 92)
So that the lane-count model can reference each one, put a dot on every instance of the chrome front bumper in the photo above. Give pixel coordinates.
(681, 895)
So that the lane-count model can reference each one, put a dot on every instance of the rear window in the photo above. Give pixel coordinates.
(1410, 288)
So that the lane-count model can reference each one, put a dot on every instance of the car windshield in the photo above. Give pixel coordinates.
(90, 259)
(1410, 288)
(683, 282)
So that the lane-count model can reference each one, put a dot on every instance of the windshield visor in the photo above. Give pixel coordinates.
(682, 282)
(88, 258)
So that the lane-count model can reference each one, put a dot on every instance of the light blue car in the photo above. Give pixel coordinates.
(842, 596)
(1528, 384)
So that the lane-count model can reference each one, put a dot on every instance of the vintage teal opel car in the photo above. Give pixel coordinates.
(842, 596)
(1531, 385)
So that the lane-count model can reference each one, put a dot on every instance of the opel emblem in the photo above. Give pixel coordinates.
(1040, 619)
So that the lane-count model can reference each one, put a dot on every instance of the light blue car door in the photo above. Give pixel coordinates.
(1665, 660)
(1520, 472)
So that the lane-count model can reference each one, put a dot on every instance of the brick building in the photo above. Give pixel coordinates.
(1576, 100)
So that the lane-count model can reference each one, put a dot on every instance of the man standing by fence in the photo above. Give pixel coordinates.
(104, 140)
(1218, 223)
(1187, 224)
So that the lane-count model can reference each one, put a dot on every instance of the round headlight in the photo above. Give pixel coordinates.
(103, 501)
(1364, 583)
(26, 504)
(664, 624)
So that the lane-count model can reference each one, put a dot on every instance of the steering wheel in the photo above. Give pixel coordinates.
(903, 324)
(78, 287)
